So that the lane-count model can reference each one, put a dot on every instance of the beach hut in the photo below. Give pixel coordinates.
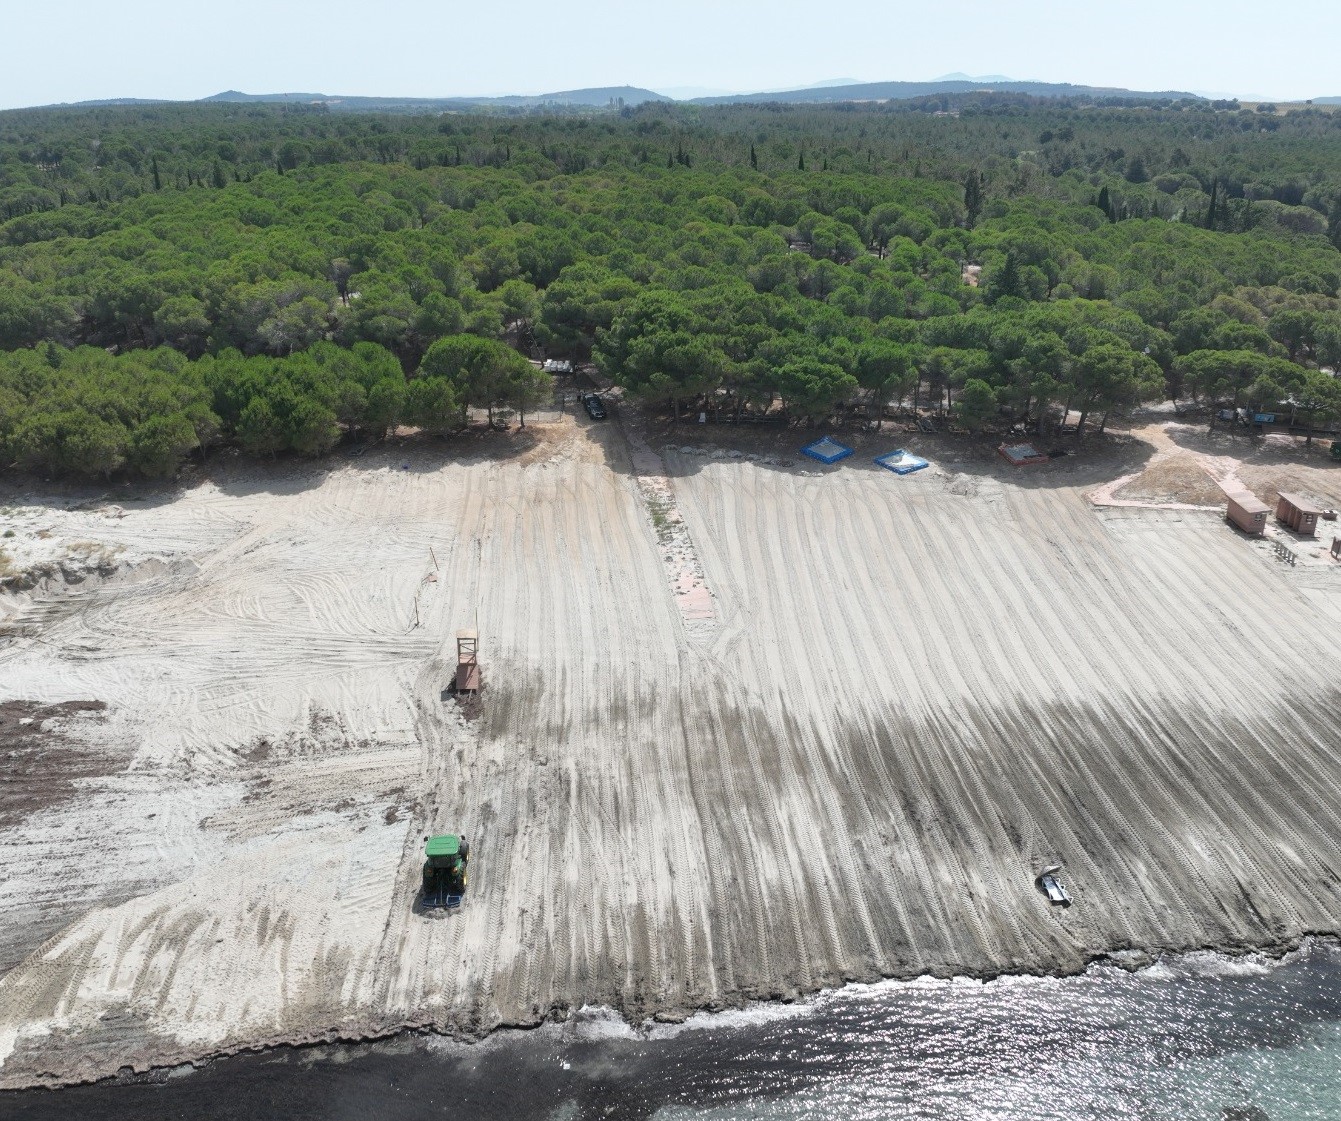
(1247, 512)
(1298, 513)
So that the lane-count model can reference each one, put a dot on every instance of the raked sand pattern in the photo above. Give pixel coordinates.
(914, 693)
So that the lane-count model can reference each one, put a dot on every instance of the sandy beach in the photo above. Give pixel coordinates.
(752, 727)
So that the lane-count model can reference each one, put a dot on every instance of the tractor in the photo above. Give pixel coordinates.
(445, 860)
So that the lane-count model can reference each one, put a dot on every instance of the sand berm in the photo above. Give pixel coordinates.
(749, 730)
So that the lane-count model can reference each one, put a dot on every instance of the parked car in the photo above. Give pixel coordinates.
(595, 407)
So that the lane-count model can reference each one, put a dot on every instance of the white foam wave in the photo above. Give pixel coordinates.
(751, 1015)
(596, 1021)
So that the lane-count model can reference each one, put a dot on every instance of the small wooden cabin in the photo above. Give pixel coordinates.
(1247, 512)
(1298, 513)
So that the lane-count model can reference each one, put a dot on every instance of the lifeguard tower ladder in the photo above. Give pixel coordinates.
(468, 678)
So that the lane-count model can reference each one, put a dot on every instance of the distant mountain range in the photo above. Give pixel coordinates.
(599, 97)
(897, 91)
(960, 76)
(826, 92)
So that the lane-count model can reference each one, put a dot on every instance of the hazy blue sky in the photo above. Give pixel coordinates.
(83, 49)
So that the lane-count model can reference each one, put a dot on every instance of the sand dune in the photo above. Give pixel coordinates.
(906, 695)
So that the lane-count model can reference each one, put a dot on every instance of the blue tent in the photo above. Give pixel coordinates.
(827, 450)
(902, 462)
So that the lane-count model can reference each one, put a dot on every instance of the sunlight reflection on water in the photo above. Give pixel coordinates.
(1197, 1037)
(1200, 1036)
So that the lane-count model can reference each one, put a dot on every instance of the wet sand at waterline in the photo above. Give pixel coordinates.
(751, 728)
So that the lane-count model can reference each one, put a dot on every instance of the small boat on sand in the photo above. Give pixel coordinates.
(1050, 884)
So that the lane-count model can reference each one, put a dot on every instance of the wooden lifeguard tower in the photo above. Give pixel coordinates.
(468, 678)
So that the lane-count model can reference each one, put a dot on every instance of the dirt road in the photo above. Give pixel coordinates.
(916, 691)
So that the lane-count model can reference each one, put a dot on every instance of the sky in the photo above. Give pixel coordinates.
(81, 50)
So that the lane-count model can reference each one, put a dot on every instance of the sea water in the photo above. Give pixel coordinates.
(1199, 1036)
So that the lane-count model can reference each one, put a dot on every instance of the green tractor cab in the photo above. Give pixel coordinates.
(445, 860)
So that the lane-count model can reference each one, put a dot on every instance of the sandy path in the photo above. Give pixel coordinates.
(684, 570)
(917, 690)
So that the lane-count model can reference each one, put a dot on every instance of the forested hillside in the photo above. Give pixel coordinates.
(172, 277)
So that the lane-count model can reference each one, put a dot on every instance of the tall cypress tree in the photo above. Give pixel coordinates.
(1210, 210)
(973, 197)
(1105, 203)
(158, 180)
(754, 160)
(801, 161)
(1009, 281)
